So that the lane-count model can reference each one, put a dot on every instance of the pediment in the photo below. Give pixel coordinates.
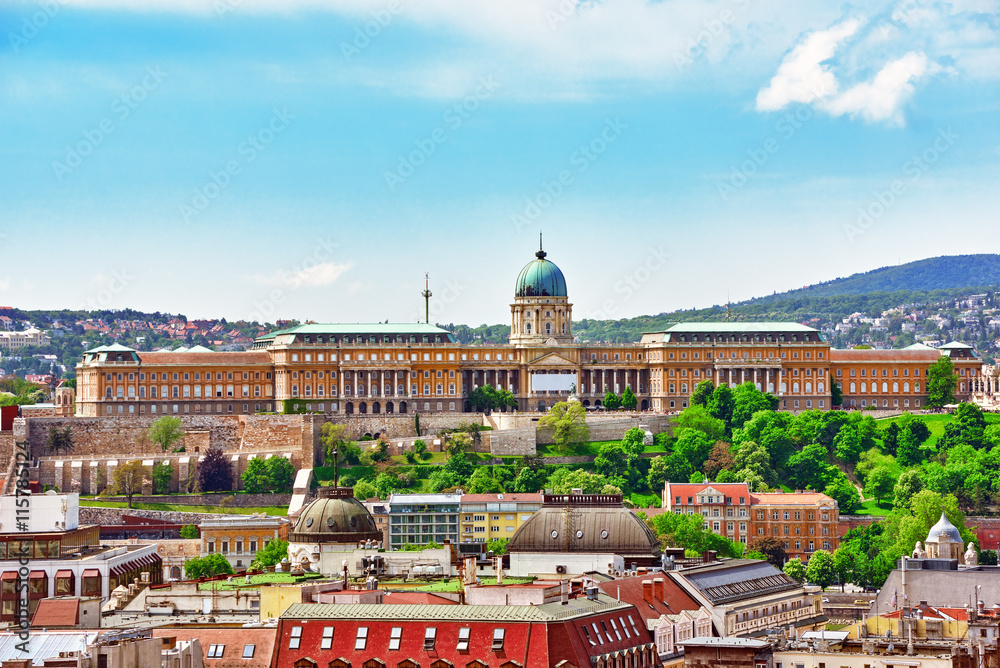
(553, 359)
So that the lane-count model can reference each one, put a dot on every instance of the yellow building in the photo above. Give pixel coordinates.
(486, 517)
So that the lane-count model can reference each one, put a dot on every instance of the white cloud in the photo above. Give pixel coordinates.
(882, 98)
(802, 76)
(315, 275)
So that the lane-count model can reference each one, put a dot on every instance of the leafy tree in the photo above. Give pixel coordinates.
(795, 570)
(843, 491)
(967, 428)
(688, 531)
(753, 458)
(820, 570)
(271, 554)
(255, 477)
(696, 417)
(701, 394)
(486, 398)
(907, 449)
(747, 400)
(386, 483)
(497, 546)
(774, 430)
(528, 480)
(628, 399)
(720, 458)
(772, 548)
(459, 466)
(442, 479)
(207, 566)
(633, 442)
(568, 421)
(166, 431)
(880, 483)
(890, 438)
(127, 479)
(611, 401)
(483, 482)
(754, 554)
(721, 405)
(334, 439)
(60, 440)
(215, 473)
(189, 532)
(564, 480)
(918, 428)
(694, 446)
(844, 560)
(611, 461)
(163, 472)
(941, 383)
(459, 443)
(676, 468)
(848, 445)
(420, 448)
(836, 392)
(281, 473)
(907, 485)
(808, 468)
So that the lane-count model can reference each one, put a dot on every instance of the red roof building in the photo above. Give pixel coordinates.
(581, 632)
(652, 596)
(228, 647)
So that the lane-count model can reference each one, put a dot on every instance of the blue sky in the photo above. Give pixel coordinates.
(237, 158)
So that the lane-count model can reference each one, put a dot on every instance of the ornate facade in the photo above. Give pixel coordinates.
(402, 368)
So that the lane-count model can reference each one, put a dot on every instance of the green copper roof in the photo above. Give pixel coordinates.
(540, 278)
(360, 328)
(113, 348)
(737, 327)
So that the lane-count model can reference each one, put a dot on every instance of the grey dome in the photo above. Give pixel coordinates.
(944, 526)
(335, 517)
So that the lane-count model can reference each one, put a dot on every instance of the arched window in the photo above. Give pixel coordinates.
(809, 387)
(795, 388)
(895, 387)
(853, 387)
(885, 385)
(864, 387)
(295, 390)
(527, 328)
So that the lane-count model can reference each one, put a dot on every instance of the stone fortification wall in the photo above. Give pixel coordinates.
(403, 426)
(114, 516)
(514, 442)
(213, 499)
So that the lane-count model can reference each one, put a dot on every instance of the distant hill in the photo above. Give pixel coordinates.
(937, 273)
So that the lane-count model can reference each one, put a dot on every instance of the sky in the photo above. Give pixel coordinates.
(264, 159)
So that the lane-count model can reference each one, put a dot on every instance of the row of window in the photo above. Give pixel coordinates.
(187, 376)
(237, 545)
(363, 391)
(219, 651)
(396, 638)
(885, 387)
(176, 408)
(184, 391)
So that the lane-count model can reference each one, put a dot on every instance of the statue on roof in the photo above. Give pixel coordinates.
(971, 556)
(918, 551)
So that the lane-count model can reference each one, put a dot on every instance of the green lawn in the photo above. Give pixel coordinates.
(280, 511)
(591, 449)
(257, 580)
(645, 500)
(936, 422)
(869, 507)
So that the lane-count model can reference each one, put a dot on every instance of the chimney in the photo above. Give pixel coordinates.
(647, 591)
(564, 592)
(658, 589)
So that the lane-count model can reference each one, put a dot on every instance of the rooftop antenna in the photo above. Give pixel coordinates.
(426, 294)
(541, 253)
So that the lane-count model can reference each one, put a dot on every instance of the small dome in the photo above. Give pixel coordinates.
(335, 517)
(540, 278)
(585, 523)
(944, 526)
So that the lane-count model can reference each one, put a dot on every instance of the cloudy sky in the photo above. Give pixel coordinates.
(271, 158)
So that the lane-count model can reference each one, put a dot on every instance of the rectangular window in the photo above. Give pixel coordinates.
(430, 636)
(248, 651)
(463, 639)
(362, 639)
(498, 639)
(216, 651)
(395, 637)
(296, 639)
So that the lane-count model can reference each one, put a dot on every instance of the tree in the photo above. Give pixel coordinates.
(60, 440)
(941, 383)
(688, 531)
(611, 401)
(820, 570)
(907, 449)
(420, 448)
(386, 483)
(459, 466)
(497, 546)
(890, 438)
(568, 422)
(694, 446)
(271, 554)
(486, 398)
(795, 570)
(696, 417)
(719, 459)
(909, 483)
(844, 560)
(808, 468)
(189, 532)
(255, 478)
(564, 480)
(334, 440)
(281, 473)
(215, 473)
(529, 479)
(847, 444)
(611, 461)
(747, 400)
(483, 482)
(364, 490)
(628, 399)
(163, 473)
(207, 566)
(880, 483)
(836, 392)
(843, 491)
(702, 393)
(633, 442)
(166, 431)
(772, 548)
(721, 405)
(127, 479)
(968, 427)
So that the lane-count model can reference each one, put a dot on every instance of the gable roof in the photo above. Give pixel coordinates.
(629, 590)
(693, 489)
(263, 640)
(56, 612)
(737, 579)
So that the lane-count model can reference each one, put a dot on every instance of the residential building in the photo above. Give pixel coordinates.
(580, 633)
(702, 652)
(803, 521)
(225, 647)
(68, 612)
(423, 518)
(379, 511)
(402, 368)
(748, 596)
(12, 340)
(725, 506)
(239, 537)
(487, 517)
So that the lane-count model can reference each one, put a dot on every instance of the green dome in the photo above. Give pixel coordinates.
(540, 278)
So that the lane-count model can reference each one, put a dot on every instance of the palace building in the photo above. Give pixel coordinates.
(403, 368)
